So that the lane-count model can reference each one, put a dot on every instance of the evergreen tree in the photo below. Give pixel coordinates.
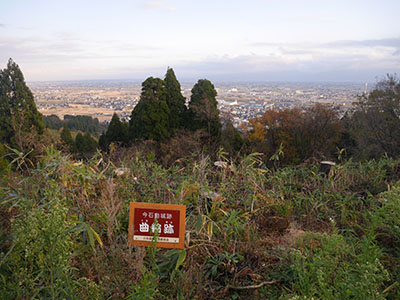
(203, 108)
(85, 145)
(103, 143)
(79, 143)
(150, 117)
(117, 131)
(17, 107)
(66, 137)
(175, 100)
(90, 144)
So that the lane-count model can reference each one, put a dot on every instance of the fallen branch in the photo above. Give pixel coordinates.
(249, 287)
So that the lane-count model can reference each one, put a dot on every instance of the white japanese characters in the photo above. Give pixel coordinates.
(153, 215)
(168, 227)
(144, 227)
(156, 228)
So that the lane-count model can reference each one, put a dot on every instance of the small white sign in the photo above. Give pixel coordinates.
(150, 238)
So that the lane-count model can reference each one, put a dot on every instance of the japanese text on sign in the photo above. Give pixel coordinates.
(167, 221)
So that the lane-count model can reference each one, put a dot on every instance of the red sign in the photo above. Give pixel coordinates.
(146, 219)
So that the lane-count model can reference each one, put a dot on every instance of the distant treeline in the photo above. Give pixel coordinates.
(75, 123)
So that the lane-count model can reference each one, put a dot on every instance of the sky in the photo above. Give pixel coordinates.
(235, 40)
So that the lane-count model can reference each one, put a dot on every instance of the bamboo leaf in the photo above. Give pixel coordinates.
(93, 235)
(199, 223)
(90, 234)
(210, 230)
(181, 259)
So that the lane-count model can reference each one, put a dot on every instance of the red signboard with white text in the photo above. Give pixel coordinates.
(146, 219)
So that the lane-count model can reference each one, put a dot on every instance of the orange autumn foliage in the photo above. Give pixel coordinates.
(312, 132)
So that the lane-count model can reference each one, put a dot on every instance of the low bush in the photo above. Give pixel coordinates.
(329, 267)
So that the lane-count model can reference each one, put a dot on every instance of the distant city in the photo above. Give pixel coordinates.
(240, 101)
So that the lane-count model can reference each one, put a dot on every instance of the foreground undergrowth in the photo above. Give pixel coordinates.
(251, 232)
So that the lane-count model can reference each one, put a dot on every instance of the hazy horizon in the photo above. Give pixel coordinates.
(192, 81)
(235, 41)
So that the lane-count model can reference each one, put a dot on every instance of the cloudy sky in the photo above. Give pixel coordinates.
(243, 40)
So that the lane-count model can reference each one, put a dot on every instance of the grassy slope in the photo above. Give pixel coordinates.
(287, 234)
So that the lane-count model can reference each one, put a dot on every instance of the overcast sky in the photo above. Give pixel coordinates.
(246, 40)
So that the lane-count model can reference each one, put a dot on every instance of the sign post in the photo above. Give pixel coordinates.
(168, 220)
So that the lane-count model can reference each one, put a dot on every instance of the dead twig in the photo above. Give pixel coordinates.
(250, 287)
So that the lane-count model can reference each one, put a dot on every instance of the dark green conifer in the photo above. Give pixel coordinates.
(150, 117)
(203, 108)
(175, 100)
(117, 131)
(79, 143)
(103, 143)
(85, 145)
(17, 106)
(90, 143)
(66, 137)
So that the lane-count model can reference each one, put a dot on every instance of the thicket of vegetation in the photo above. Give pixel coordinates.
(267, 224)
(292, 233)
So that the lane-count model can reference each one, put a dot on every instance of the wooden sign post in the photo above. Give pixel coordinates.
(170, 224)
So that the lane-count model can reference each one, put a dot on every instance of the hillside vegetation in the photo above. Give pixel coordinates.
(293, 233)
(264, 220)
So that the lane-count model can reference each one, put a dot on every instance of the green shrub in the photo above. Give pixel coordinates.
(38, 262)
(329, 267)
(146, 289)
(385, 219)
(385, 227)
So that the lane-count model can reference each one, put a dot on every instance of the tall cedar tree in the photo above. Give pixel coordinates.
(66, 137)
(150, 117)
(175, 100)
(117, 131)
(17, 107)
(80, 143)
(203, 108)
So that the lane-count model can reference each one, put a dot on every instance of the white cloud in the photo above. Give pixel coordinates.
(162, 5)
(72, 56)
(69, 47)
(302, 64)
